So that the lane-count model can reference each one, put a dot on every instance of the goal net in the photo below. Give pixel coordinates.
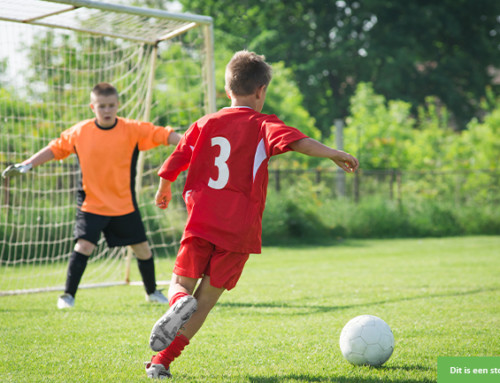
(51, 55)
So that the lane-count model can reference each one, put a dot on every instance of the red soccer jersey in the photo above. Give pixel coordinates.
(227, 154)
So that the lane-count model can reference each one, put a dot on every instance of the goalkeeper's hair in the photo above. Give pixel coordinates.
(246, 72)
(104, 89)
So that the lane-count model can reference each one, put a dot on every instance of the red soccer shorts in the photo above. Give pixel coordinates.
(198, 257)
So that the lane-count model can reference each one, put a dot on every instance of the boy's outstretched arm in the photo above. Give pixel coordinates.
(41, 157)
(36, 159)
(164, 193)
(314, 148)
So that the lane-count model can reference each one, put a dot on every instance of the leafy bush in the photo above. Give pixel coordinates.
(294, 215)
(309, 216)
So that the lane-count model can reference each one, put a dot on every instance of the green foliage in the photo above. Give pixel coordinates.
(295, 215)
(178, 94)
(408, 50)
(479, 146)
(285, 100)
(306, 213)
(385, 135)
(377, 131)
(429, 145)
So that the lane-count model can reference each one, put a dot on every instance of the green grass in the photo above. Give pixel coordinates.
(282, 323)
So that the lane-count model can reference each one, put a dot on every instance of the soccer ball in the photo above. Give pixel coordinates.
(366, 340)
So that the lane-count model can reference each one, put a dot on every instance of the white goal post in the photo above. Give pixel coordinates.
(52, 52)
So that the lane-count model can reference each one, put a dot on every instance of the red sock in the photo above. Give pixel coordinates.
(167, 356)
(176, 297)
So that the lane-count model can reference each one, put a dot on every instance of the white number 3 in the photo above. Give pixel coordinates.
(220, 162)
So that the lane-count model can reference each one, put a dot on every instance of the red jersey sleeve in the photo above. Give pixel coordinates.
(179, 160)
(279, 135)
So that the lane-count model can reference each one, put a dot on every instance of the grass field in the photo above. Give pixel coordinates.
(281, 323)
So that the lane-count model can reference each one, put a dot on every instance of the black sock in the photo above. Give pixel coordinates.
(147, 270)
(76, 267)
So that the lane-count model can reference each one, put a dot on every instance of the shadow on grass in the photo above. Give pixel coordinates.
(318, 309)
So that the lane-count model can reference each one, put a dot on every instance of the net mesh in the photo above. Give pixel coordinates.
(111, 20)
(45, 79)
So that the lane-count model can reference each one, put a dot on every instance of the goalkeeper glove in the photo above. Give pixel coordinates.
(15, 169)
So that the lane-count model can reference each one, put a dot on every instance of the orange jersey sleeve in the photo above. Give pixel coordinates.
(64, 145)
(151, 136)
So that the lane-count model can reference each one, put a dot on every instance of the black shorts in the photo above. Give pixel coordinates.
(121, 230)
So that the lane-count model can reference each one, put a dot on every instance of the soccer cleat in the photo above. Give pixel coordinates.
(165, 329)
(12, 170)
(65, 301)
(157, 297)
(157, 371)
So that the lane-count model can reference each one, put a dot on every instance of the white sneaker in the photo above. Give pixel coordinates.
(157, 297)
(65, 301)
(165, 329)
(157, 371)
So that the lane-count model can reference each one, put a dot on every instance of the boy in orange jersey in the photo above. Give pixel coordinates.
(227, 154)
(107, 148)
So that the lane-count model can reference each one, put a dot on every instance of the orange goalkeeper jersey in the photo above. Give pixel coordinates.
(107, 159)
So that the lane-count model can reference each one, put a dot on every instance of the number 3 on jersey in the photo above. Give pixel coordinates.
(220, 162)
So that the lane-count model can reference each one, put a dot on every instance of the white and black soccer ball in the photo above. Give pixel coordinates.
(366, 340)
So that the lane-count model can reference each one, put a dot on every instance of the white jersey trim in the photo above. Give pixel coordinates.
(260, 156)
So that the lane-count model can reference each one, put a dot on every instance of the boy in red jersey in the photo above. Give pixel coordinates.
(107, 148)
(227, 154)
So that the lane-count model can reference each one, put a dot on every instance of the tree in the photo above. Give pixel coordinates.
(442, 49)
(408, 50)
(380, 133)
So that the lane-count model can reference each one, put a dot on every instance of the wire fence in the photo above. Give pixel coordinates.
(459, 187)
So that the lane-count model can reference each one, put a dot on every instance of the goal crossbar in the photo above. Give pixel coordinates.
(63, 13)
